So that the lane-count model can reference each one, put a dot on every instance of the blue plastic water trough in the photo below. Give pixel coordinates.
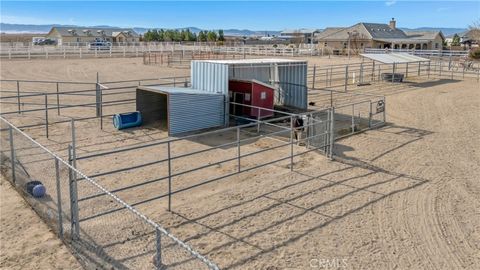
(36, 189)
(127, 120)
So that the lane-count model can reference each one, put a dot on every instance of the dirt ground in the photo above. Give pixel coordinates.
(26, 242)
(405, 196)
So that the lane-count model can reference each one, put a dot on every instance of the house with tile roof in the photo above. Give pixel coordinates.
(378, 35)
(65, 35)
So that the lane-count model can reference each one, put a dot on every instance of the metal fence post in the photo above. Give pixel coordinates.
(291, 142)
(384, 109)
(406, 70)
(419, 69)
(330, 80)
(332, 132)
(75, 229)
(97, 96)
(58, 100)
(101, 108)
(353, 118)
(46, 115)
(370, 116)
(59, 200)
(346, 77)
(331, 98)
(169, 176)
(258, 120)
(238, 150)
(314, 76)
(158, 253)
(393, 72)
(12, 153)
(326, 136)
(18, 97)
(373, 71)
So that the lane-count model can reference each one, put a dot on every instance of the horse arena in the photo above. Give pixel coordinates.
(385, 176)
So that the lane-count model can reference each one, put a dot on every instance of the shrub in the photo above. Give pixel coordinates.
(475, 54)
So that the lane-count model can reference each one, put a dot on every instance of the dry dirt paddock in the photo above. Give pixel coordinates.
(405, 196)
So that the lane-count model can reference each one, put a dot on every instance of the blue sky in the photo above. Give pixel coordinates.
(267, 15)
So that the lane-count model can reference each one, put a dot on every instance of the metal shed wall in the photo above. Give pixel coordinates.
(187, 109)
(209, 77)
(190, 112)
(290, 77)
(293, 82)
(213, 78)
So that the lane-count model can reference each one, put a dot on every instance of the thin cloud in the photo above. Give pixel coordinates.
(390, 3)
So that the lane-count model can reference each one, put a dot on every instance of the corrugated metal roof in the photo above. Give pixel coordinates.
(253, 61)
(177, 90)
(392, 58)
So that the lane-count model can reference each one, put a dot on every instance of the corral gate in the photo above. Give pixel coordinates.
(319, 130)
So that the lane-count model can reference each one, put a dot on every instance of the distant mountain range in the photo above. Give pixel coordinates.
(45, 28)
(447, 32)
(32, 28)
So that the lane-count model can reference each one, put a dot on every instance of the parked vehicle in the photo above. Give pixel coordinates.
(100, 45)
(45, 41)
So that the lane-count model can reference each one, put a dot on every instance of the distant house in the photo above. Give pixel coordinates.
(65, 35)
(377, 35)
(299, 35)
(470, 38)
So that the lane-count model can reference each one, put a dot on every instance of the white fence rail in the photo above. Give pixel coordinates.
(48, 52)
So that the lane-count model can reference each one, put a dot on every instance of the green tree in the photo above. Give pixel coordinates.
(148, 36)
(189, 36)
(202, 36)
(161, 35)
(456, 40)
(211, 36)
(221, 37)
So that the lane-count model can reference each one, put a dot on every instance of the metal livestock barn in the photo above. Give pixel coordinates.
(289, 77)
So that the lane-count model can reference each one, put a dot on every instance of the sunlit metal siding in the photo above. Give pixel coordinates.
(213, 78)
(293, 82)
(189, 112)
(209, 77)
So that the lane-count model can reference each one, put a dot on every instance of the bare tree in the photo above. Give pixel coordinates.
(298, 37)
(474, 30)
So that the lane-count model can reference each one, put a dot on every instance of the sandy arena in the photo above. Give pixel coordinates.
(404, 196)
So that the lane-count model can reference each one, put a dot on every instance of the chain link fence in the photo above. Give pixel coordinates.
(124, 239)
